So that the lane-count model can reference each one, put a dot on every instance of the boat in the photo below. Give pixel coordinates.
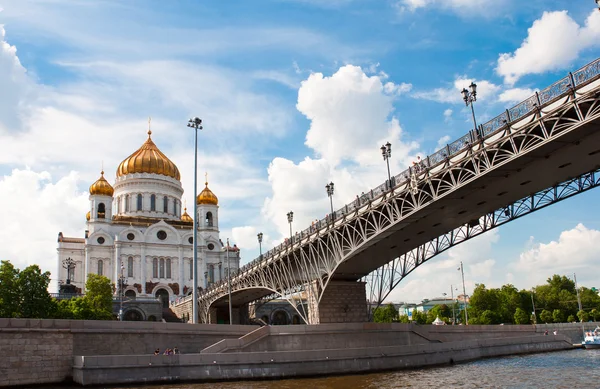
(592, 339)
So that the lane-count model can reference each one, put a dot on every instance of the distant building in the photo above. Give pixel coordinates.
(427, 304)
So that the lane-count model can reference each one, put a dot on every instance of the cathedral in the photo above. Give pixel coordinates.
(139, 236)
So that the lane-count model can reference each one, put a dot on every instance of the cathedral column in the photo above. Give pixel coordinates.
(85, 265)
(143, 268)
(181, 278)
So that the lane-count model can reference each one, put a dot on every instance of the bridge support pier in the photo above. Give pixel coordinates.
(342, 302)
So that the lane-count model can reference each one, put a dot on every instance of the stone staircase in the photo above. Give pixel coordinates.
(169, 316)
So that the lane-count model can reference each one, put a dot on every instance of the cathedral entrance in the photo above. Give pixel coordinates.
(280, 318)
(133, 315)
(130, 294)
(163, 295)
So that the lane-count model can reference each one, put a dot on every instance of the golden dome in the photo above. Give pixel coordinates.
(87, 216)
(185, 217)
(207, 196)
(148, 159)
(101, 187)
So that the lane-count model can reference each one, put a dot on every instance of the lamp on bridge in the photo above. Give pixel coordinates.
(470, 97)
(69, 264)
(67, 287)
(598, 3)
(121, 281)
(260, 238)
(464, 293)
(290, 217)
(386, 152)
(329, 188)
(196, 124)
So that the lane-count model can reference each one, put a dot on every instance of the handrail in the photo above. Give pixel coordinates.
(533, 104)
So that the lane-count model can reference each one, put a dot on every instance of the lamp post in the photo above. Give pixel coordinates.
(121, 293)
(68, 264)
(453, 314)
(464, 293)
(260, 238)
(196, 124)
(290, 217)
(386, 152)
(577, 289)
(598, 4)
(229, 284)
(533, 306)
(329, 188)
(470, 97)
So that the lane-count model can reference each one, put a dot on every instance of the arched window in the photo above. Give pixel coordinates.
(211, 273)
(101, 211)
(100, 267)
(209, 219)
(118, 205)
(168, 267)
(191, 269)
(126, 203)
(165, 204)
(175, 207)
(139, 202)
(162, 268)
(153, 203)
(130, 267)
(155, 268)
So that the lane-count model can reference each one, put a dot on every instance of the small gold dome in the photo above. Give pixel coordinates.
(207, 196)
(101, 187)
(148, 159)
(185, 217)
(87, 216)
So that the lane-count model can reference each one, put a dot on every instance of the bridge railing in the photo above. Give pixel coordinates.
(533, 104)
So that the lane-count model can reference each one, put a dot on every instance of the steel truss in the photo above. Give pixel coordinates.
(384, 279)
(301, 270)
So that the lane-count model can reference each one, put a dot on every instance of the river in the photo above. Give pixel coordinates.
(563, 369)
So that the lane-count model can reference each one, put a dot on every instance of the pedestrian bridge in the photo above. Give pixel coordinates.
(539, 152)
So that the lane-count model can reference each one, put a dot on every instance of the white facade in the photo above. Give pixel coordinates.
(140, 234)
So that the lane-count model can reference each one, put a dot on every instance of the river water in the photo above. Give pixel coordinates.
(563, 369)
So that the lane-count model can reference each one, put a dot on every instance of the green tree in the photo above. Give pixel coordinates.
(521, 317)
(558, 316)
(387, 314)
(97, 299)
(546, 316)
(404, 319)
(583, 316)
(35, 301)
(9, 292)
(419, 317)
(571, 319)
(442, 311)
(594, 314)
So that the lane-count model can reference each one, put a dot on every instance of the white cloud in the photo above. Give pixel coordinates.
(463, 8)
(14, 84)
(442, 142)
(576, 250)
(486, 91)
(447, 115)
(553, 42)
(515, 95)
(345, 110)
(36, 209)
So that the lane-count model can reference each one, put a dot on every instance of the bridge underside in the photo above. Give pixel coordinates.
(575, 153)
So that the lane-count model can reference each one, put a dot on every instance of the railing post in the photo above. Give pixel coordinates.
(448, 151)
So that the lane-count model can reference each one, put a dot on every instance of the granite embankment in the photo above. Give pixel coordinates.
(91, 352)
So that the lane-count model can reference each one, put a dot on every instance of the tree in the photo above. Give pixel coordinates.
(97, 299)
(558, 316)
(521, 317)
(571, 319)
(546, 316)
(387, 314)
(419, 317)
(404, 319)
(583, 316)
(594, 314)
(9, 292)
(34, 299)
(442, 311)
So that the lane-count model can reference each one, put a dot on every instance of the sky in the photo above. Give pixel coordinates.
(293, 94)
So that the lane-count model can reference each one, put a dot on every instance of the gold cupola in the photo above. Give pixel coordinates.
(87, 216)
(207, 196)
(101, 187)
(148, 159)
(185, 217)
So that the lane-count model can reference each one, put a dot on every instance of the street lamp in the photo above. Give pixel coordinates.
(121, 293)
(386, 152)
(329, 188)
(470, 98)
(229, 284)
(260, 237)
(598, 4)
(196, 124)
(290, 217)
(464, 293)
(68, 264)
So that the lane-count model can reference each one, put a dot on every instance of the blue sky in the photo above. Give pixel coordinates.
(293, 94)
